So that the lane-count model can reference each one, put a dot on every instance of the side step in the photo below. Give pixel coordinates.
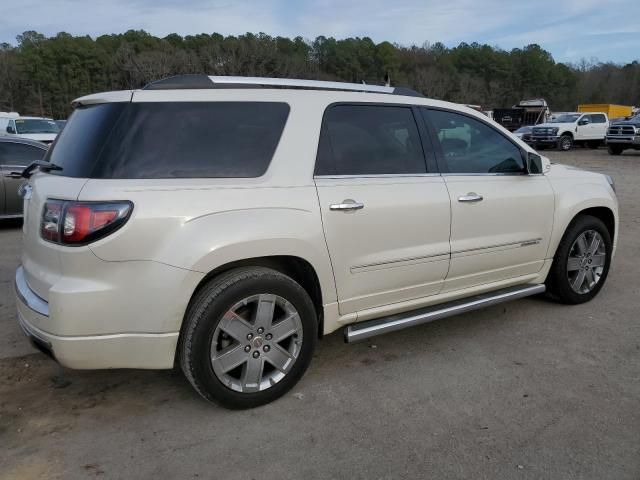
(371, 328)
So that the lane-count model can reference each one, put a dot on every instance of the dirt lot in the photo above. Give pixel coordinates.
(525, 390)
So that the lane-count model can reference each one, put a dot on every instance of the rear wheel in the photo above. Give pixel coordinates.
(581, 264)
(614, 149)
(565, 143)
(248, 338)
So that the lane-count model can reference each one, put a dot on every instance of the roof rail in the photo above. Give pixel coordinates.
(179, 82)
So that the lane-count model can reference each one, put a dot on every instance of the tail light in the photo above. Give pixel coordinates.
(80, 223)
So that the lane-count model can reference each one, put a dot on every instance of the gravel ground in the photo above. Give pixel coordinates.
(524, 390)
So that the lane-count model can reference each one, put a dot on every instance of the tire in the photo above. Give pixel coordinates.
(214, 339)
(594, 144)
(614, 149)
(569, 262)
(565, 143)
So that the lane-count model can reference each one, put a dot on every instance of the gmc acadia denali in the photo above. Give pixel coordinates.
(227, 223)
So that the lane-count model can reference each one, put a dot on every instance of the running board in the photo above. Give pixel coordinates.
(371, 328)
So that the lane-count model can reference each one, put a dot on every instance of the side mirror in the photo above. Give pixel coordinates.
(534, 164)
(584, 122)
(10, 129)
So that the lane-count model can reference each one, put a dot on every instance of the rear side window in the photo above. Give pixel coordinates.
(18, 154)
(369, 140)
(598, 118)
(178, 140)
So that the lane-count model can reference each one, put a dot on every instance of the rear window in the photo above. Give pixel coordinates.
(170, 140)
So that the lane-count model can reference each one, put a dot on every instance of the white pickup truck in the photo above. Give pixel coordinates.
(569, 129)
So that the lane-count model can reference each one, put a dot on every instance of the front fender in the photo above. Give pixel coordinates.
(573, 198)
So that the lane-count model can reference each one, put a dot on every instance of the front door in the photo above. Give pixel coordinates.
(501, 218)
(386, 215)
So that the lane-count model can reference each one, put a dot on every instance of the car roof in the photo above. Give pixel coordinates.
(24, 141)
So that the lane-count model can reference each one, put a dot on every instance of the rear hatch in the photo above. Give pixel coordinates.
(74, 150)
(41, 259)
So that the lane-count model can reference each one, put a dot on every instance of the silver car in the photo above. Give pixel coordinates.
(15, 155)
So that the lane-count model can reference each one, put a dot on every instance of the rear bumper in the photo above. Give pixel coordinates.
(120, 350)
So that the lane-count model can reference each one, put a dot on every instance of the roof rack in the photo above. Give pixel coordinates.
(180, 82)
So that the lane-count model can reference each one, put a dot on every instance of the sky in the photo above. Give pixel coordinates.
(607, 30)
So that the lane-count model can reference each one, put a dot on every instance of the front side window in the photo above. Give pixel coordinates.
(369, 140)
(18, 154)
(170, 140)
(471, 146)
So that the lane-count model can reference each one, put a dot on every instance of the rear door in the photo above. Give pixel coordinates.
(14, 157)
(385, 210)
(599, 125)
(501, 218)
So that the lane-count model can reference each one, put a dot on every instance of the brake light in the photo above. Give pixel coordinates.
(80, 223)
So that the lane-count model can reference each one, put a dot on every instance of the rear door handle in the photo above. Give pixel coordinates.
(347, 206)
(470, 197)
(13, 175)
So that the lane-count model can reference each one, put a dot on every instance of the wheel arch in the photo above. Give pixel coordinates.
(298, 268)
(603, 213)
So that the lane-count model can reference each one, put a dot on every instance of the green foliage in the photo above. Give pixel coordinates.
(43, 75)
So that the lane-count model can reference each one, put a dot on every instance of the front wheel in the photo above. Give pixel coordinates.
(565, 143)
(248, 338)
(614, 149)
(581, 264)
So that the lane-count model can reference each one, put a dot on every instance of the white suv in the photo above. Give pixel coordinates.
(226, 223)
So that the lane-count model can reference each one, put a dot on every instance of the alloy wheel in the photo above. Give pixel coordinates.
(256, 343)
(587, 258)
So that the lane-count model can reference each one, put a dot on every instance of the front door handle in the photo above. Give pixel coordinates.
(470, 197)
(13, 175)
(347, 206)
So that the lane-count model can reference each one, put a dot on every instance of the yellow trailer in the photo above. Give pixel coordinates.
(613, 111)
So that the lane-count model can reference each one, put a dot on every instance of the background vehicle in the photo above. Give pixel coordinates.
(525, 113)
(571, 129)
(40, 129)
(624, 135)
(279, 210)
(612, 111)
(524, 133)
(15, 155)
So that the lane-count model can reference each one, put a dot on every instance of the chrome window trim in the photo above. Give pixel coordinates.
(382, 175)
(511, 174)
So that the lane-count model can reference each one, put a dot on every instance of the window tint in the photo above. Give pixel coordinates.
(172, 140)
(19, 154)
(471, 146)
(598, 118)
(369, 140)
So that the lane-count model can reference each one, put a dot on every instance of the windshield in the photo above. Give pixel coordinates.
(36, 125)
(570, 118)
